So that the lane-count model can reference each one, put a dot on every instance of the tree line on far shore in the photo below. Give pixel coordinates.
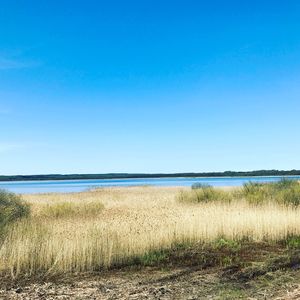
(147, 175)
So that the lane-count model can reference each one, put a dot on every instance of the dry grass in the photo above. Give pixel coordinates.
(133, 222)
(72, 210)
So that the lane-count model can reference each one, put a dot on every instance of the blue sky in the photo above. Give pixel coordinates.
(149, 86)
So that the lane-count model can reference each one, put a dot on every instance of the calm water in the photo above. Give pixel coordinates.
(67, 186)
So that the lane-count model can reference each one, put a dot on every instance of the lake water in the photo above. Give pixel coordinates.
(67, 186)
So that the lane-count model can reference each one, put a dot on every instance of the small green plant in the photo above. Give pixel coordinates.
(153, 257)
(293, 242)
(226, 244)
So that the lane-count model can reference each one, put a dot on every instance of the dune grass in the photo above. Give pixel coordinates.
(72, 210)
(64, 234)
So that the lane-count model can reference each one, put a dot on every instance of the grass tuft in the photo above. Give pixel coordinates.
(70, 210)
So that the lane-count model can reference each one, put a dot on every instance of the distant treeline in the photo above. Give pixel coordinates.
(141, 175)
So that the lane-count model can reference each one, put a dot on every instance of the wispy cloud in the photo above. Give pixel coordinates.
(6, 147)
(9, 63)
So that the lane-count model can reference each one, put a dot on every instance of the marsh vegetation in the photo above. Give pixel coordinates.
(113, 227)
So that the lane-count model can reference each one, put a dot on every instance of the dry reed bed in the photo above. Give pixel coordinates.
(133, 222)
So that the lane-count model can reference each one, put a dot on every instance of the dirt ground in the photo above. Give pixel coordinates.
(153, 283)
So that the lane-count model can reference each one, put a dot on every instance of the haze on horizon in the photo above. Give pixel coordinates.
(149, 87)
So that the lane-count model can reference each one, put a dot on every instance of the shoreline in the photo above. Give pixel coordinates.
(77, 186)
(128, 176)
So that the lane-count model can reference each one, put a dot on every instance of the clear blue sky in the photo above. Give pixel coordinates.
(149, 86)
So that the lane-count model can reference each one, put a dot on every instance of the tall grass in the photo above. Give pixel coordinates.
(133, 222)
(72, 210)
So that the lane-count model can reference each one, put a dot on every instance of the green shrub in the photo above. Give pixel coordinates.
(290, 196)
(255, 193)
(293, 242)
(153, 257)
(12, 208)
(199, 185)
(226, 244)
(285, 191)
(203, 194)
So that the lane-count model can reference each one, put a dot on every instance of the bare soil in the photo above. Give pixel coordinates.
(151, 283)
(257, 272)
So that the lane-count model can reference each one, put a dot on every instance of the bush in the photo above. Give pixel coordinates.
(255, 193)
(290, 196)
(12, 208)
(199, 185)
(203, 194)
(285, 191)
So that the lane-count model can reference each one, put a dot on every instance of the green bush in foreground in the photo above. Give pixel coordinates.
(12, 208)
